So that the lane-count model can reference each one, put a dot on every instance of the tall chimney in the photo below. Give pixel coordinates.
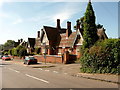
(38, 34)
(18, 40)
(21, 40)
(58, 23)
(68, 25)
(68, 31)
(78, 25)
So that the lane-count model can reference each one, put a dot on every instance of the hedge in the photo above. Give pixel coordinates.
(103, 57)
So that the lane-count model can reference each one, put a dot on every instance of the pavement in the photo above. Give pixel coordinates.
(73, 70)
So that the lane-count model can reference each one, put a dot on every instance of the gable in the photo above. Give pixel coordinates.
(78, 38)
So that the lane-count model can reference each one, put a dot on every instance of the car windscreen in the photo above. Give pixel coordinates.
(32, 58)
(6, 56)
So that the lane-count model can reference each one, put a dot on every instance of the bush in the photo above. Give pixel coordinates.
(10, 52)
(37, 50)
(5, 53)
(22, 52)
(14, 52)
(103, 57)
(18, 48)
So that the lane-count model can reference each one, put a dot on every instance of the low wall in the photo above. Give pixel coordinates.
(17, 58)
(66, 58)
(49, 58)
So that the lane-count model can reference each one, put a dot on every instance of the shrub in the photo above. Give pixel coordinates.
(18, 48)
(103, 57)
(10, 52)
(37, 50)
(22, 52)
(5, 53)
(14, 52)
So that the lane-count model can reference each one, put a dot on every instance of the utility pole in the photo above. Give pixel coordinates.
(45, 52)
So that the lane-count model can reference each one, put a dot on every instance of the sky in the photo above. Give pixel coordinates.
(22, 19)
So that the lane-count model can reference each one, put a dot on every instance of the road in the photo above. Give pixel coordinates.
(21, 76)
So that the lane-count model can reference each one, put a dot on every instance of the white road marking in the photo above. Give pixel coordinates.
(14, 70)
(65, 73)
(40, 68)
(47, 70)
(55, 71)
(37, 78)
(1, 65)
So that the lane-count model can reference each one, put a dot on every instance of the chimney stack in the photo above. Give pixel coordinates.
(68, 25)
(78, 25)
(18, 40)
(68, 31)
(58, 23)
(21, 40)
(38, 34)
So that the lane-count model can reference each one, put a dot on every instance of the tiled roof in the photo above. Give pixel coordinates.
(31, 42)
(53, 35)
(67, 42)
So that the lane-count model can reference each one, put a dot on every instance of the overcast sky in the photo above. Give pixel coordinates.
(23, 19)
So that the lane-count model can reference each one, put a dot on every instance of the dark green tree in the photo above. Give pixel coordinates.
(22, 52)
(90, 32)
(18, 48)
(9, 43)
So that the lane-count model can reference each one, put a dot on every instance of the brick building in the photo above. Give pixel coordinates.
(57, 40)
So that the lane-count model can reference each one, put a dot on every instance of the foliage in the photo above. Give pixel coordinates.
(18, 48)
(19, 51)
(22, 52)
(103, 57)
(90, 32)
(14, 52)
(37, 50)
(5, 53)
(9, 43)
(10, 52)
(1, 47)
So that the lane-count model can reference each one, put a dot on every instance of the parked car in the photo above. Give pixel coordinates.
(6, 57)
(29, 60)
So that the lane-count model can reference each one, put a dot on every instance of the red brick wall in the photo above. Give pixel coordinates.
(49, 58)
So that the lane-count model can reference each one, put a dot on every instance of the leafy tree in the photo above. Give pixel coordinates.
(1, 47)
(14, 52)
(103, 57)
(22, 52)
(10, 52)
(37, 50)
(9, 43)
(90, 32)
(18, 48)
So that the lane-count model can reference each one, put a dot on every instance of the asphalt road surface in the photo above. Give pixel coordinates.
(21, 76)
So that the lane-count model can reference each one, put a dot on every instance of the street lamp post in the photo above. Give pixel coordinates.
(44, 44)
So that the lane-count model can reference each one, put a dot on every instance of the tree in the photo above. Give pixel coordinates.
(14, 52)
(90, 32)
(22, 52)
(18, 48)
(9, 43)
(10, 52)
